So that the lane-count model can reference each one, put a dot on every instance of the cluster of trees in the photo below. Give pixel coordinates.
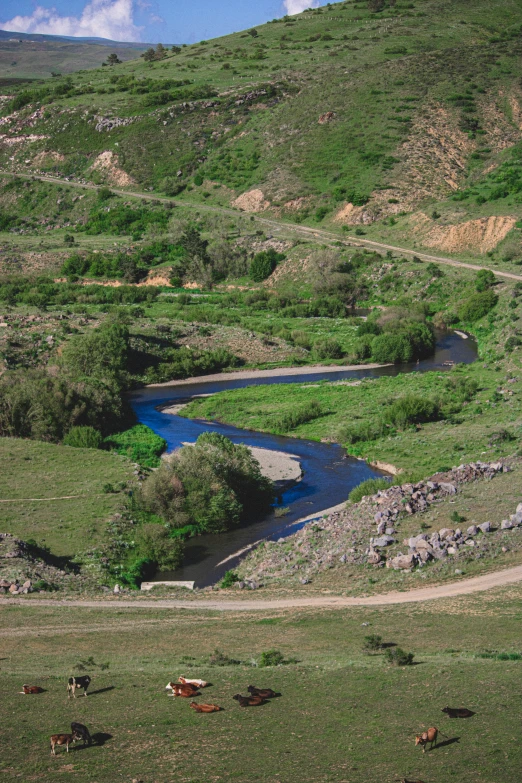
(85, 390)
(183, 362)
(208, 487)
(121, 219)
(130, 266)
(43, 291)
(396, 336)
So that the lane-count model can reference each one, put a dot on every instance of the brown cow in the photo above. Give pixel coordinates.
(249, 701)
(458, 712)
(29, 689)
(205, 707)
(265, 693)
(429, 736)
(62, 739)
(185, 691)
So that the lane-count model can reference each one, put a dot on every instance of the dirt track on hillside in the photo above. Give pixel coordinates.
(304, 231)
(454, 589)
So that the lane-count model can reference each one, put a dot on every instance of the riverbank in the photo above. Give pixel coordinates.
(277, 372)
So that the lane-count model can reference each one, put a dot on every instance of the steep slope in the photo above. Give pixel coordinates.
(337, 114)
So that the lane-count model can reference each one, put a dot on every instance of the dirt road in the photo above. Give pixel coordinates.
(462, 587)
(277, 226)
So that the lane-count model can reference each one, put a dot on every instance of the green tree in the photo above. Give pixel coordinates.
(485, 280)
(149, 55)
(263, 264)
(102, 354)
(113, 59)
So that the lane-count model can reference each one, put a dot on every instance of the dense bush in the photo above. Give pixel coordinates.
(185, 363)
(155, 545)
(83, 438)
(34, 404)
(264, 263)
(208, 486)
(411, 409)
(327, 348)
(477, 306)
(140, 444)
(404, 343)
(395, 656)
(289, 421)
(485, 280)
(271, 658)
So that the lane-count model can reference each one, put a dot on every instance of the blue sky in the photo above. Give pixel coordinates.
(169, 21)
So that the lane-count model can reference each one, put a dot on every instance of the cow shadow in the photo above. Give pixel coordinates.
(449, 741)
(100, 738)
(101, 690)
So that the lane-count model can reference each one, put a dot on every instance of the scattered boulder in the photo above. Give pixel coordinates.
(485, 527)
(383, 541)
(402, 562)
(472, 530)
(506, 524)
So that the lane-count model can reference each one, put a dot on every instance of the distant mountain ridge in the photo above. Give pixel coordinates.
(8, 35)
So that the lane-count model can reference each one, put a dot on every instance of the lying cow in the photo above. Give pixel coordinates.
(265, 693)
(62, 739)
(30, 689)
(197, 683)
(458, 712)
(205, 707)
(429, 736)
(249, 701)
(75, 683)
(81, 732)
(185, 691)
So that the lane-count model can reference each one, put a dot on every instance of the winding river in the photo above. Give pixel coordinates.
(329, 474)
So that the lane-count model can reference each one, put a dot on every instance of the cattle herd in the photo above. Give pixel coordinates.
(190, 689)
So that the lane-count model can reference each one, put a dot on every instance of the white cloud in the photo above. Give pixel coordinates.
(298, 6)
(100, 18)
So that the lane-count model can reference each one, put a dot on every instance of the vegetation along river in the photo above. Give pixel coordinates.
(328, 473)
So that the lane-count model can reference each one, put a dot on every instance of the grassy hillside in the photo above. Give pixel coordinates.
(29, 59)
(342, 716)
(337, 114)
(55, 494)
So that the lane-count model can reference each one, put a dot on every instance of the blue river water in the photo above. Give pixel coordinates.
(328, 473)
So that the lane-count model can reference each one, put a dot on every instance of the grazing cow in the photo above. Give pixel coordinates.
(249, 701)
(29, 689)
(197, 683)
(458, 712)
(75, 683)
(62, 739)
(265, 693)
(429, 736)
(81, 732)
(205, 707)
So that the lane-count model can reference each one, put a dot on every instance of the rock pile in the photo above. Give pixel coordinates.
(105, 124)
(367, 532)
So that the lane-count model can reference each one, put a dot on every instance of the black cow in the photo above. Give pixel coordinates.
(81, 732)
(458, 712)
(78, 682)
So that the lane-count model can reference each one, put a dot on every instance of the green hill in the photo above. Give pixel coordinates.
(25, 58)
(404, 122)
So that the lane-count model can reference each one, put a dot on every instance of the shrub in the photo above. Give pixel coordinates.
(292, 419)
(362, 431)
(83, 438)
(485, 280)
(368, 488)
(321, 213)
(403, 343)
(140, 444)
(396, 656)
(230, 579)
(411, 409)
(154, 544)
(218, 658)
(271, 658)
(327, 348)
(477, 306)
(372, 643)
(264, 263)
(457, 518)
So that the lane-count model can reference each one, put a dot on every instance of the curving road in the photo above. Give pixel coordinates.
(452, 590)
(275, 225)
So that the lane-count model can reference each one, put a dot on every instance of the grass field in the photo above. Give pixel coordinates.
(343, 716)
(33, 473)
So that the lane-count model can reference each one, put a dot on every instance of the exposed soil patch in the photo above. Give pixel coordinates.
(252, 201)
(107, 163)
(481, 235)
